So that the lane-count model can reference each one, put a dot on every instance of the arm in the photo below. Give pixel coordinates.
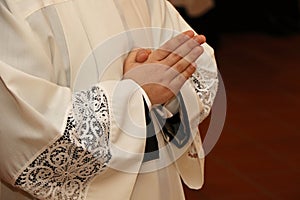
(199, 92)
(205, 79)
(53, 141)
(161, 74)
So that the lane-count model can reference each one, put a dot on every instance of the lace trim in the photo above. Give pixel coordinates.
(206, 85)
(65, 169)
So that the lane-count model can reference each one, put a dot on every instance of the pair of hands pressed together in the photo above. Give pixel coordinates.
(162, 72)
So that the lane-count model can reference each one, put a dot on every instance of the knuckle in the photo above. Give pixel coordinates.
(166, 49)
(181, 38)
(175, 56)
(200, 48)
(188, 59)
(192, 43)
(196, 52)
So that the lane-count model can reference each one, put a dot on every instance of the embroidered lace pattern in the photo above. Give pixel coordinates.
(67, 166)
(206, 85)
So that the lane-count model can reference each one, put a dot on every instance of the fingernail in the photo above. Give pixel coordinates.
(204, 38)
(190, 33)
(149, 51)
(200, 38)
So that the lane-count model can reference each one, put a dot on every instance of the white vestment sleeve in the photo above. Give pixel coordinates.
(53, 142)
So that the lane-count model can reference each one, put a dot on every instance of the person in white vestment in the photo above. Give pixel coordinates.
(101, 100)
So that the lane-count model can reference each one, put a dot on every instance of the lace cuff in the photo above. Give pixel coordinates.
(206, 84)
(66, 167)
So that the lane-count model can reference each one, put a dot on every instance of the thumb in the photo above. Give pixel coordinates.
(131, 57)
(142, 55)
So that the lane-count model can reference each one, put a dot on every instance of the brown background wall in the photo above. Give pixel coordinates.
(257, 156)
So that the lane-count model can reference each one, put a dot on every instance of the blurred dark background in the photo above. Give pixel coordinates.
(278, 18)
(257, 47)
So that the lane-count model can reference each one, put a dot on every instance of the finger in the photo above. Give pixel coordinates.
(183, 50)
(181, 78)
(171, 45)
(200, 39)
(142, 55)
(186, 74)
(191, 57)
(131, 58)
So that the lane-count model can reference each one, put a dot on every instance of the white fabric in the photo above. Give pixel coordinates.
(48, 66)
